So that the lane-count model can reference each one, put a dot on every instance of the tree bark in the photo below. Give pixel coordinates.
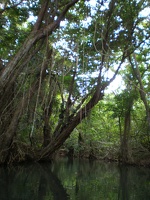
(142, 92)
(124, 144)
(10, 73)
(7, 137)
(33, 38)
(126, 133)
(66, 130)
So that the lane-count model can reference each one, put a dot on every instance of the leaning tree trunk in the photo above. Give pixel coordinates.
(7, 109)
(142, 92)
(7, 137)
(10, 73)
(67, 128)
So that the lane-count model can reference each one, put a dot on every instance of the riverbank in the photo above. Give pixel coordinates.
(21, 153)
(136, 159)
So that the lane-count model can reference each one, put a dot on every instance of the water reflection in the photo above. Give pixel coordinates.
(67, 179)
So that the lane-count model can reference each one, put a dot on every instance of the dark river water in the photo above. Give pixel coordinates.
(76, 179)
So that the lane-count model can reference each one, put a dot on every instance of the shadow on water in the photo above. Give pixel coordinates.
(74, 179)
(134, 183)
(30, 182)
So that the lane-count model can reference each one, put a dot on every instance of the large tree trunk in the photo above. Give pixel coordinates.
(36, 35)
(6, 138)
(10, 73)
(8, 106)
(67, 128)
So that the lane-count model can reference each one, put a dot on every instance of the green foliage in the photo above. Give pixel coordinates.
(14, 30)
(62, 71)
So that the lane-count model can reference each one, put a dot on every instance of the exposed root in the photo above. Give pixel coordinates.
(20, 152)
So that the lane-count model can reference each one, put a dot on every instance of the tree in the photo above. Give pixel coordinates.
(45, 77)
(142, 92)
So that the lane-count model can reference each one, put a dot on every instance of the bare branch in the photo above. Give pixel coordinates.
(41, 15)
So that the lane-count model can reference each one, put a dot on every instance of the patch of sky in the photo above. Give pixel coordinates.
(86, 22)
(7, 24)
(116, 85)
(32, 18)
(63, 23)
(97, 4)
(145, 12)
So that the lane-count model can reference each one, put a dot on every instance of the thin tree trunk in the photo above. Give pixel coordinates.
(124, 142)
(142, 92)
(126, 133)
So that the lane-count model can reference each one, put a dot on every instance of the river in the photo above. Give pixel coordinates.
(76, 179)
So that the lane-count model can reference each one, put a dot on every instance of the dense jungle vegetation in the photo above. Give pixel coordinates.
(57, 61)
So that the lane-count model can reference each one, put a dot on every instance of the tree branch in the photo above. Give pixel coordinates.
(31, 41)
(8, 8)
(41, 15)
